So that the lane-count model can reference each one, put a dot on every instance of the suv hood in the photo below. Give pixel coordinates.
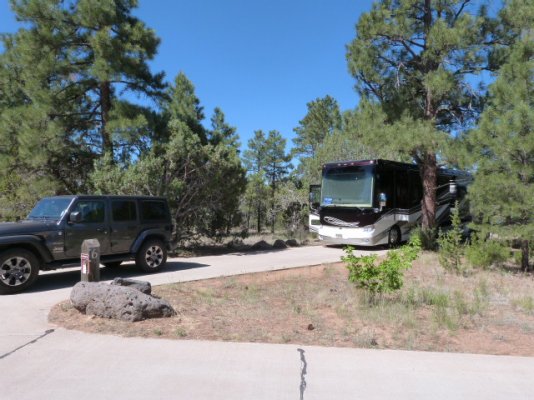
(26, 227)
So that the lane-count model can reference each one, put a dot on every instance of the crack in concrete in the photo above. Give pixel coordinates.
(47, 332)
(303, 372)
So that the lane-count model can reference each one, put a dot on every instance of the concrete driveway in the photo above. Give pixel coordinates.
(40, 361)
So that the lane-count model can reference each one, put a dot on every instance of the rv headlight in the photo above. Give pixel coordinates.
(369, 228)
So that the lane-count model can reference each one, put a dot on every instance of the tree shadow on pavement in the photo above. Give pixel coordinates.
(66, 278)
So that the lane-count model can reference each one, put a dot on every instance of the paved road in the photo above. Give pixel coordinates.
(40, 361)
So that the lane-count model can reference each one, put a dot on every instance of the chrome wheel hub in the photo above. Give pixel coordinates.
(15, 271)
(154, 256)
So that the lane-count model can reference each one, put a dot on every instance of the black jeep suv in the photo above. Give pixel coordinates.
(128, 228)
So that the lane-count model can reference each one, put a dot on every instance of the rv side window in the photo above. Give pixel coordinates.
(385, 184)
(416, 188)
(402, 190)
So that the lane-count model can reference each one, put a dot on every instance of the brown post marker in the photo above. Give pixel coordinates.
(90, 259)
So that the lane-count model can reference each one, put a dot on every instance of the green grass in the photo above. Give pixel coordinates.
(525, 304)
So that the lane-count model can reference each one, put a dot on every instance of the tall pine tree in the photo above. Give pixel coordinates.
(414, 59)
(277, 165)
(322, 119)
(254, 160)
(502, 195)
(87, 55)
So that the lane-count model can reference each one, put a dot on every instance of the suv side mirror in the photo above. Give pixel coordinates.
(75, 217)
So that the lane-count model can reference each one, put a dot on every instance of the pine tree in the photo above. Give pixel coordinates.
(184, 105)
(203, 181)
(414, 59)
(86, 54)
(117, 47)
(254, 201)
(268, 163)
(225, 141)
(277, 165)
(322, 119)
(67, 68)
(254, 160)
(38, 156)
(502, 195)
(221, 132)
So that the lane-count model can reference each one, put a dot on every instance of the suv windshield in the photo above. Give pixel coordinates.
(52, 208)
(350, 186)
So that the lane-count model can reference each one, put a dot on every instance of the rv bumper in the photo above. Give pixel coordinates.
(350, 236)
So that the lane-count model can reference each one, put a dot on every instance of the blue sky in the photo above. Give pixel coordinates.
(260, 61)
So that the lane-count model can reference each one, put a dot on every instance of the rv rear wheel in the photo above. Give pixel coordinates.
(394, 236)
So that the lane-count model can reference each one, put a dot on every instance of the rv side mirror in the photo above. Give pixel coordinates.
(382, 199)
(315, 195)
(75, 217)
(453, 188)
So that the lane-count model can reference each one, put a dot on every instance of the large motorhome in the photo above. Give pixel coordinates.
(377, 202)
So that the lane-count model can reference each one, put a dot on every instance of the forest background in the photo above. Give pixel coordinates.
(440, 83)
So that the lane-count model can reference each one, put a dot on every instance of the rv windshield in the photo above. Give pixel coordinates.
(350, 186)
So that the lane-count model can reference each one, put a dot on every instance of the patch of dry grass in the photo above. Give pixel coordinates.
(487, 311)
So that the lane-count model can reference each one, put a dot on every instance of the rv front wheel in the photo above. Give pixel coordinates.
(394, 236)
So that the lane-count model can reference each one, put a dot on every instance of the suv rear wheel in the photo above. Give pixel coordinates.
(152, 255)
(19, 268)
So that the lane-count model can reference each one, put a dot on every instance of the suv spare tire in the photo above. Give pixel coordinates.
(152, 255)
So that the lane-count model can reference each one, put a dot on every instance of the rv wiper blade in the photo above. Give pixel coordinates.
(341, 206)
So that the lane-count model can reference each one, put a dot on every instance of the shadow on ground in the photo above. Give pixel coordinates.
(358, 248)
(61, 279)
(218, 251)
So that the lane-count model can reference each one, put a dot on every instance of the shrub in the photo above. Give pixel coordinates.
(428, 238)
(484, 253)
(451, 249)
(387, 275)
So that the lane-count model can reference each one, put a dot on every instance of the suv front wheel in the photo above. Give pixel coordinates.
(152, 255)
(19, 268)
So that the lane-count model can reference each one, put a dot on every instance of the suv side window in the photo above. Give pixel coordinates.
(153, 210)
(92, 211)
(123, 210)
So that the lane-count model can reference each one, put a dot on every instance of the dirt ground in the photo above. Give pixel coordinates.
(488, 312)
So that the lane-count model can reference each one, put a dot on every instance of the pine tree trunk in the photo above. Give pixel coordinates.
(259, 218)
(273, 218)
(105, 108)
(428, 206)
(524, 256)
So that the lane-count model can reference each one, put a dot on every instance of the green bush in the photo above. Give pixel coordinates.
(387, 275)
(451, 248)
(484, 253)
(428, 238)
